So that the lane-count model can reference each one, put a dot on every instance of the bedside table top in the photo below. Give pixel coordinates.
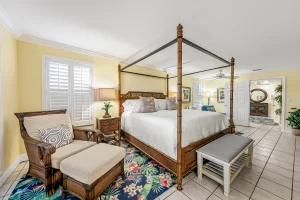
(113, 117)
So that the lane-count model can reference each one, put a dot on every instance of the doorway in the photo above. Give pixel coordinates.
(267, 102)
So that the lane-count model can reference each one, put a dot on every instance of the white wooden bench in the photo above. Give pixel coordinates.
(224, 159)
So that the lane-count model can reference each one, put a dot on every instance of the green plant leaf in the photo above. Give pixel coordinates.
(294, 119)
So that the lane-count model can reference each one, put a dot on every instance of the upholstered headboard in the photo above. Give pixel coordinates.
(136, 95)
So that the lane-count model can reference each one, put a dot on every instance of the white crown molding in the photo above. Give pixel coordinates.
(48, 43)
(8, 25)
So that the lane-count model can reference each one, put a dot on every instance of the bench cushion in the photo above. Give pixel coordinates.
(69, 150)
(226, 148)
(89, 165)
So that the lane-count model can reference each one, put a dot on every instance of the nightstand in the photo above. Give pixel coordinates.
(110, 129)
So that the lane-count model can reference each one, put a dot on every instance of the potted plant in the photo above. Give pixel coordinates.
(106, 107)
(294, 121)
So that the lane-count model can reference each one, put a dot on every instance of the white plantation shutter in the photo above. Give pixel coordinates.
(57, 83)
(67, 85)
(197, 95)
(82, 100)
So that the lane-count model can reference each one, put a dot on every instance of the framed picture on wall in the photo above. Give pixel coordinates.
(186, 94)
(221, 95)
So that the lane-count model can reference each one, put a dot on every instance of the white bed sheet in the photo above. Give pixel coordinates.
(159, 129)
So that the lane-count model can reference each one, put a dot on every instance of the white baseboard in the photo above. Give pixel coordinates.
(288, 130)
(23, 157)
(12, 167)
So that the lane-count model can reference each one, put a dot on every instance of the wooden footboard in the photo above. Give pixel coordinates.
(189, 156)
(189, 160)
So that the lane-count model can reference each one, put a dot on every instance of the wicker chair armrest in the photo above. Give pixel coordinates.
(87, 134)
(46, 148)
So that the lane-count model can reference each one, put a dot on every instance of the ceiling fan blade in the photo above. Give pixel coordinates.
(210, 79)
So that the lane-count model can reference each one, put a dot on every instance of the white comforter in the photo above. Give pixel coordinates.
(159, 129)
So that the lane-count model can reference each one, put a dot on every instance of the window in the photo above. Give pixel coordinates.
(197, 95)
(68, 84)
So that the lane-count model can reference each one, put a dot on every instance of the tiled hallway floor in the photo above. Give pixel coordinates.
(274, 174)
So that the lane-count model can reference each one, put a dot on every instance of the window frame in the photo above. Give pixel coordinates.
(71, 63)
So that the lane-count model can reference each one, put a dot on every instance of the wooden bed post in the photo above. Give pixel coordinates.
(179, 107)
(119, 89)
(232, 126)
(167, 85)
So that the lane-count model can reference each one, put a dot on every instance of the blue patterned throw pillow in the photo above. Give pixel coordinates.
(57, 136)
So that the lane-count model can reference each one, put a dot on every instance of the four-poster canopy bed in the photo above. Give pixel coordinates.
(186, 156)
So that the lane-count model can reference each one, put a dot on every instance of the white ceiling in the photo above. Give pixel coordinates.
(258, 33)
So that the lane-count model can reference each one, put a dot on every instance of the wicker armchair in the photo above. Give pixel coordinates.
(39, 153)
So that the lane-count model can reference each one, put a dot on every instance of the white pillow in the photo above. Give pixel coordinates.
(160, 104)
(132, 105)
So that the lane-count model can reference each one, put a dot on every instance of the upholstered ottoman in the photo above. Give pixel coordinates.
(225, 158)
(88, 173)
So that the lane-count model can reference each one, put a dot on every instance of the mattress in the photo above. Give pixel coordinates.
(159, 129)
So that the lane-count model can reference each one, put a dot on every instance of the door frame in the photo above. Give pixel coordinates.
(283, 80)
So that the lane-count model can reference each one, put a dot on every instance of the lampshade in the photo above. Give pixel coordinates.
(208, 94)
(105, 94)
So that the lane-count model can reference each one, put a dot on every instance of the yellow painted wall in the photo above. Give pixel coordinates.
(187, 81)
(292, 87)
(212, 86)
(9, 80)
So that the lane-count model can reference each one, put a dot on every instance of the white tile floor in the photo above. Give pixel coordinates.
(274, 174)
(13, 180)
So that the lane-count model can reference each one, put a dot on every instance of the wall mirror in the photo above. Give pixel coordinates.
(258, 95)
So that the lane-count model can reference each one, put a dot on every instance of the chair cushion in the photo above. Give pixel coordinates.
(90, 164)
(226, 148)
(34, 123)
(208, 108)
(57, 136)
(69, 150)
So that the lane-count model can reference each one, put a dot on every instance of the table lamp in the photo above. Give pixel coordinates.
(208, 95)
(105, 94)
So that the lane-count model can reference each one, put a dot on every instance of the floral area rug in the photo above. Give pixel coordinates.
(145, 180)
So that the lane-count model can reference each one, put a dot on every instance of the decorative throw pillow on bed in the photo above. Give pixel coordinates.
(147, 105)
(171, 103)
(160, 104)
(58, 136)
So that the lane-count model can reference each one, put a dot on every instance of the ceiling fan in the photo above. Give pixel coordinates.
(220, 76)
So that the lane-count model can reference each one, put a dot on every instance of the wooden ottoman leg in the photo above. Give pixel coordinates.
(199, 165)
(226, 179)
(123, 172)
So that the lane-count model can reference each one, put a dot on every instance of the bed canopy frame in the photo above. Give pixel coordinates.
(185, 156)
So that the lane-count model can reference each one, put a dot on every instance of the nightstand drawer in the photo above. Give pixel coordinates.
(109, 125)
